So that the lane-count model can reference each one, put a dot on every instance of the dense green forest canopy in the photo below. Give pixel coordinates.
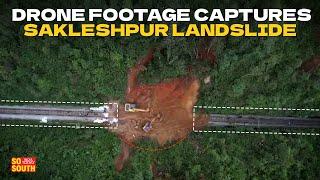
(257, 72)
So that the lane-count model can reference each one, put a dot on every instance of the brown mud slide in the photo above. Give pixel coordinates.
(169, 108)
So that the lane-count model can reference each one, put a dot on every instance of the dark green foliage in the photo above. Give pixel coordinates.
(61, 153)
(257, 72)
(89, 154)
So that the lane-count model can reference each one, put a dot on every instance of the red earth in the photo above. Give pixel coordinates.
(170, 106)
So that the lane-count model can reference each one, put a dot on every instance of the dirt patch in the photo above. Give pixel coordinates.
(170, 110)
(311, 65)
(205, 51)
(123, 157)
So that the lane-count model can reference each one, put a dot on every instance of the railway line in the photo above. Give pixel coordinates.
(108, 115)
(263, 121)
(67, 113)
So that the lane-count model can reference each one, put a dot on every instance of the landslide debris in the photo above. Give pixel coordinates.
(170, 109)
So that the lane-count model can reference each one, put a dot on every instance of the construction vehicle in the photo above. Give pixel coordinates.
(129, 107)
(148, 126)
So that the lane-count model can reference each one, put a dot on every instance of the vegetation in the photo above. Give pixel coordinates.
(257, 72)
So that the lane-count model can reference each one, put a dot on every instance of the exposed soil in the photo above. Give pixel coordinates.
(311, 65)
(205, 51)
(170, 107)
(123, 156)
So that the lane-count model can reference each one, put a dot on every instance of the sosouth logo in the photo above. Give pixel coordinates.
(23, 164)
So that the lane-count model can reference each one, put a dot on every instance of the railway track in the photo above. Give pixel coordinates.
(91, 115)
(263, 121)
(48, 113)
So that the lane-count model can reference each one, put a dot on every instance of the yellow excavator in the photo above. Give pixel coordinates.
(133, 108)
